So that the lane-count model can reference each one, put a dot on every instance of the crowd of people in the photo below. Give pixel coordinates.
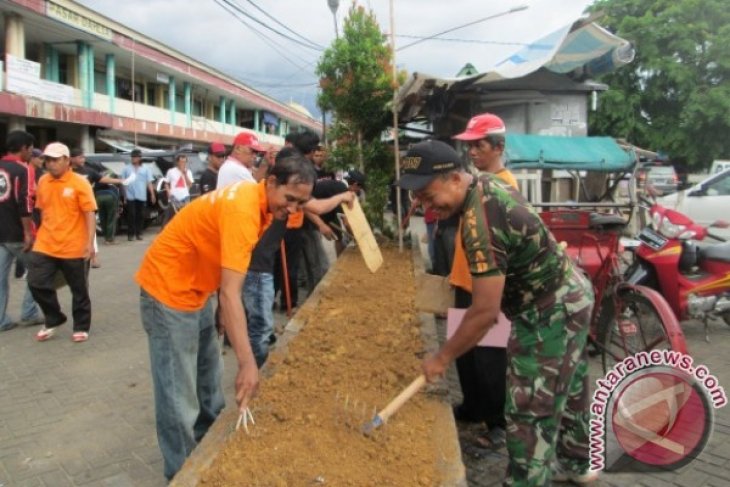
(257, 230)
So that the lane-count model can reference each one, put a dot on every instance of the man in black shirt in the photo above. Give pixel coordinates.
(16, 227)
(209, 178)
(326, 188)
(105, 193)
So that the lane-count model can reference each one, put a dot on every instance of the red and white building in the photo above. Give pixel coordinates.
(71, 74)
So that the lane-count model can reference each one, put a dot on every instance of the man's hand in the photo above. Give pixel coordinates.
(27, 242)
(434, 367)
(327, 232)
(153, 198)
(90, 253)
(247, 384)
(348, 197)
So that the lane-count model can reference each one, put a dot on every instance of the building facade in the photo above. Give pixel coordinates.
(73, 75)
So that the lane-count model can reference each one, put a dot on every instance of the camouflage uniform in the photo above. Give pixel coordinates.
(549, 304)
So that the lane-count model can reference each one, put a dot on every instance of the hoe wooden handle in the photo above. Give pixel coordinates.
(402, 398)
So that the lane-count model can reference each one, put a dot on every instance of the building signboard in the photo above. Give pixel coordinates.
(78, 21)
(24, 78)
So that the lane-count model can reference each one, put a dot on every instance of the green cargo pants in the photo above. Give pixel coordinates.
(547, 386)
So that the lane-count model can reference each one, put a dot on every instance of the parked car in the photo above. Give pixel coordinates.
(113, 165)
(705, 203)
(719, 166)
(663, 179)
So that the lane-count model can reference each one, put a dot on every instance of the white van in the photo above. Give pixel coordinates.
(719, 166)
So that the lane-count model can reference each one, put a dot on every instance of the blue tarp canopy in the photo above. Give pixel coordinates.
(567, 153)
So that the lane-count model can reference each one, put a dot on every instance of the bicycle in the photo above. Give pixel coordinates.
(626, 319)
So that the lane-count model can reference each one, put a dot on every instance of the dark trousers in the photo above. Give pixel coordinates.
(483, 377)
(42, 271)
(108, 204)
(293, 246)
(135, 217)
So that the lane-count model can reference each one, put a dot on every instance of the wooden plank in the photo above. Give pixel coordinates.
(434, 294)
(364, 236)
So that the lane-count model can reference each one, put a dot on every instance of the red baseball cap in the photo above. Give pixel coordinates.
(480, 126)
(248, 139)
(217, 149)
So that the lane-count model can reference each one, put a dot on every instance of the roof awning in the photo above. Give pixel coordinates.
(567, 153)
(566, 56)
(122, 145)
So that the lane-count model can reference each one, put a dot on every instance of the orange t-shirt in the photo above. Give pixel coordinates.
(460, 275)
(64, 203)
(295, 220)
(219, 230)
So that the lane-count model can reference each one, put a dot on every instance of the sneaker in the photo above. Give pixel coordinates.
(38, 320)
(560, 474)
(44, 334)
(139, 237)
(80, 336)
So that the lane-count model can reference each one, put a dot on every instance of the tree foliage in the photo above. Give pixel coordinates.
(357, 86)
(355, 74)
(675, 96)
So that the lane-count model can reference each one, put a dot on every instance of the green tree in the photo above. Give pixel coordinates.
(675, 96)
(357, 86)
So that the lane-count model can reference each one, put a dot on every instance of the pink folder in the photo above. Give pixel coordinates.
(497, 336)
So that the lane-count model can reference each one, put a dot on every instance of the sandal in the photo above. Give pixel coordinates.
(80, 336)
(44, 334)
(494, 439)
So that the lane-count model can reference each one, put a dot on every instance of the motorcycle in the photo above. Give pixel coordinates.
(676, 258)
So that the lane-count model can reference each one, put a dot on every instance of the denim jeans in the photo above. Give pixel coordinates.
(29, 309)
(258, 300)
(185, 357)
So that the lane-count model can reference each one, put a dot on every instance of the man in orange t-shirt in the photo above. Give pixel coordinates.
(206, 247)
(482, 370)
(65, 243)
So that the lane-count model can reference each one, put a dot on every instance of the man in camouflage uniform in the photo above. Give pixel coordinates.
(517, 266)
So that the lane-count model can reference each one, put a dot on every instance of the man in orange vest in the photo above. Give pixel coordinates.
(482, 370)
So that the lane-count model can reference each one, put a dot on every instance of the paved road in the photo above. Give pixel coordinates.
(82, 414)
(75, 414)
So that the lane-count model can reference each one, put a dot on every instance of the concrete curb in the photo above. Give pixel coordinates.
(446, 434)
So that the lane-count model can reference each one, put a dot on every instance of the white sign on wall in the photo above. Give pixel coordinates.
(24, 78)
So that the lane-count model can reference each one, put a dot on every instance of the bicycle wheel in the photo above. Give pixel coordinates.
(637, 326)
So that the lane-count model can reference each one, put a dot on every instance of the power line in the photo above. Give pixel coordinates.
(314, 44)
(489, 17)
(276, 47)
(266, 26)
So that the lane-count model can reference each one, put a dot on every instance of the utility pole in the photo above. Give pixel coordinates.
(396, 147)
(334, 5)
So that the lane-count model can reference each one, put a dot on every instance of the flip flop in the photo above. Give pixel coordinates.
(494, 439)
(44, 334)
(80, 336)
